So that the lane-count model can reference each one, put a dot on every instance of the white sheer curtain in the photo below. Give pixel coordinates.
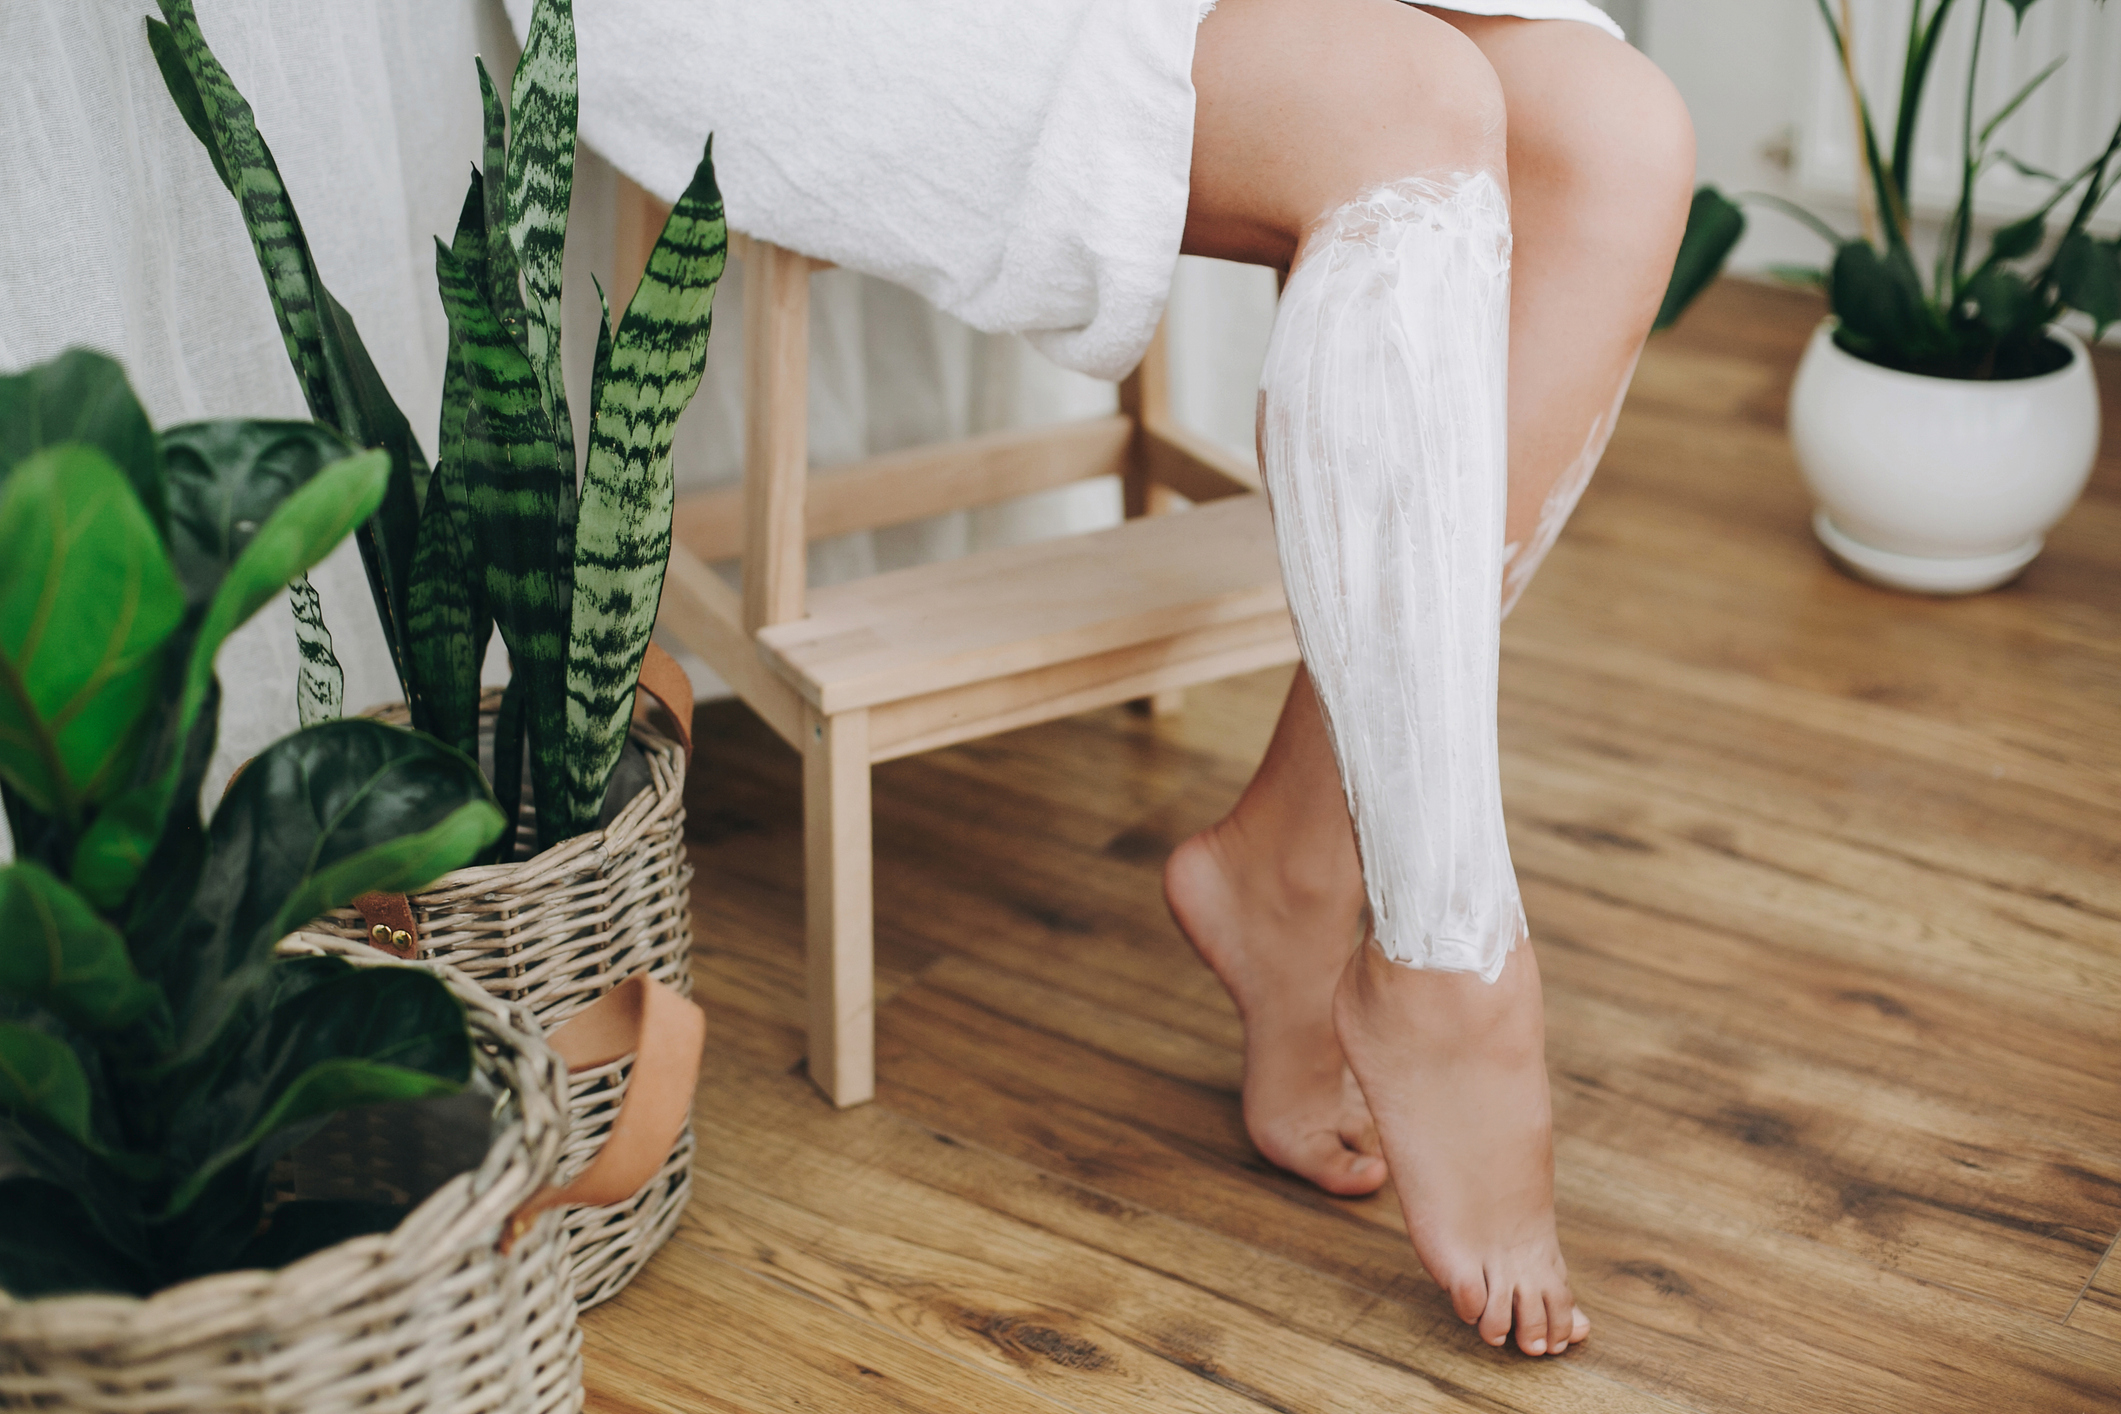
(115, 234)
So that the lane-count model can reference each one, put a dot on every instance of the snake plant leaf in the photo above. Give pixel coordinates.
(646, 374)
(300, 531)
(184, 92)
(448, 616)
(49, 1245)
(82, 396)
(338, 379)
(87, 603)
(247, 167)
(360, 1036)
(522, 503)
(508, 766)
(316, 819)
(56, 953)
(320, 683)
(542, 110)
(1714, 225)
(41, 1077)
(504, 275)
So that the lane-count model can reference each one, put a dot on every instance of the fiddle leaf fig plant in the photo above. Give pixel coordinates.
(156, 1056)
(498, 535)
(1974, 318)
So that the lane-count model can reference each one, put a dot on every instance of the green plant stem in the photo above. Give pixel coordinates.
(1963, 218)
(1791, 209)
(1914, 78)
(1892, 210)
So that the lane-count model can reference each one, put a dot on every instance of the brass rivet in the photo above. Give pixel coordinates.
(401, 939)
(380, 935)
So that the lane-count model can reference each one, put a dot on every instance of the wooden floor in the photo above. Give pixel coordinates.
(1826, 883)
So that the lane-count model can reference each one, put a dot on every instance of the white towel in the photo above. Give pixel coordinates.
(1022, 166)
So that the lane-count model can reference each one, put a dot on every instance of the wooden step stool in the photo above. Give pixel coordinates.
(920, 658)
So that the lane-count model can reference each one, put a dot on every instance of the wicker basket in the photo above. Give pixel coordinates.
(430, 1316)
(557, 931)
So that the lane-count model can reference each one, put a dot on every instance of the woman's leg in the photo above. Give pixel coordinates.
(1599, 158)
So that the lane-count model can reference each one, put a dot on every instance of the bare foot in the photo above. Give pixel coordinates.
(1455, 1072)
(1279, 948)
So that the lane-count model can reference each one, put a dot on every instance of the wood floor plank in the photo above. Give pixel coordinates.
(995, 1261)
(696, 1333)
(2098, 1310)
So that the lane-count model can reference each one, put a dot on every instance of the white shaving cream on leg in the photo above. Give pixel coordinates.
(1383, 436)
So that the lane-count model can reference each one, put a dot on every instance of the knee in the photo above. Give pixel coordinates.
(1427, 101)
(1615, 136)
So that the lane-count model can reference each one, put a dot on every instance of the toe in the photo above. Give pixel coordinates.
(1320, 1157)
(1531, 1312)
(1581, 1327)
(1469, 1295)
(1561, 1320)
(1495, 1320)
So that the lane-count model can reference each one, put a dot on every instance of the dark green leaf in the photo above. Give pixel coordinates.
(370, 417)
(1879, 301)
(365, 1036)
(56, 953)
(87, 601)
(226, 478)
(301, 530)
(339, 810)
(2018, 239)
(49, 1246)
(1713, 226)
(2017, 101)
(2018, 8)
(2006, 304)
(522, 509)
(82, 396)
(646, 375)
(541, 111)
(2088, 277)
(320, 683)
(40, 1076)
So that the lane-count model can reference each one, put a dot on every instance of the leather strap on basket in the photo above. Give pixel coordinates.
(391, 926)
(665, 1034)
(663, 679)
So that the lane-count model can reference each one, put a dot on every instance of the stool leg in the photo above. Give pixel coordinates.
(1145, 396)
(839, 922)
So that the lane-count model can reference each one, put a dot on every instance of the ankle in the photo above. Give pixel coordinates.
(1285, 872)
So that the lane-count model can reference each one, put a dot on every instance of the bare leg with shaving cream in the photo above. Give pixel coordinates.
(1302, 107)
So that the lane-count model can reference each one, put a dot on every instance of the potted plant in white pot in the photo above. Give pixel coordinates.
(1943, 427)
(587, 887)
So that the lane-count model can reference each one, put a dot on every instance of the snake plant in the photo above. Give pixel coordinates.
(155, 1056)
(1988, 321)
(497, 535)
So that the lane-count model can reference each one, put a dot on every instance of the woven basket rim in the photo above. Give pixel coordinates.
(519, 1161)
(484, 878)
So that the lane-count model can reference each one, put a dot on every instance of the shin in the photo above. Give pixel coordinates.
(1382, 435)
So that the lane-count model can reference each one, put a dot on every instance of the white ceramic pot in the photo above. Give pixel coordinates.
(1940, 485)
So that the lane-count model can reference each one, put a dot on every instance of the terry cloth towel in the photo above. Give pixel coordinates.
(1021, 165)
